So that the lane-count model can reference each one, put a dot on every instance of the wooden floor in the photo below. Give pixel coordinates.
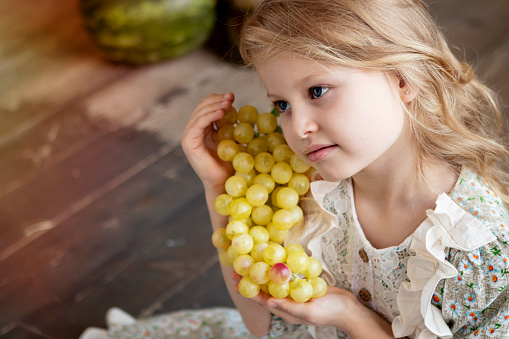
(98, 205)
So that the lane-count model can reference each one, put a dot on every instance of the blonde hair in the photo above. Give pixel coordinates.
(454, 117)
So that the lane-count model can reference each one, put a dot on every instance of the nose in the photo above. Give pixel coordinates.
(303, 122)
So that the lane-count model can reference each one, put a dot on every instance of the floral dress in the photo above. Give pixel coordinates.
(447, 280)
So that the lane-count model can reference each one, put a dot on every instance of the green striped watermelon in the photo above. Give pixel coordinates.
(145, 31)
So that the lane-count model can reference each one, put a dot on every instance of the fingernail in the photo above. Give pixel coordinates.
(273, 305)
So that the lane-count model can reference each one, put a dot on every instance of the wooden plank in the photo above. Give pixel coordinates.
(20, 330)
(208, 290)
(113, 226)
(55, 193)
(164, 261)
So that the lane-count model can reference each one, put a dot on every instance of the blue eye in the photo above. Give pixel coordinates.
(282, 106)
(317, 92)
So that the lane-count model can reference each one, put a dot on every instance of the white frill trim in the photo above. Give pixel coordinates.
(448, 226)
(318, 221)
(308, 233)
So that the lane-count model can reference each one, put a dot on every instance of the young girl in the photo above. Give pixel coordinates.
(409, 220)
(408, 216)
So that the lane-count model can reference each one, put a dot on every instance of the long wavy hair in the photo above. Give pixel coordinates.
(454, 118)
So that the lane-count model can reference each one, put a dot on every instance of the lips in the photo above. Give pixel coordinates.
(319, 152)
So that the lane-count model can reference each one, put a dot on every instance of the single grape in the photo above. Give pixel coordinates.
(297, 214)
(298, 165)
(280, 273)
(227, 149)
(222, 204)
(266, 123)
(301, 290)
(300, 183)
(273, 197)
(243, 162)
(314, 269)
(248, 113)
(274, 139)
(243, 243)
(282, 219)
(281, 172)
(248, 288)
(242, 264)
(236, 227)
(235, 186)
(259, 273)
(257, 251)
(319, 287)
(249, 176)
(257, 145)
(279, 291)
(273, 254)
(231, 254)
(243, 133)
(224, 259)
(264, 162)
(287, 198)
(262, 215)
(225, 132)
(259, 234)
(292, 248)
(229, 117)
(220, 239)
(265, 180)
(276, 234)
(241, 209)
(282, 152)
(298, 261)
(257, 195)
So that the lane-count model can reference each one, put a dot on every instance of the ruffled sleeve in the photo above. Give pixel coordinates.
(447, 227)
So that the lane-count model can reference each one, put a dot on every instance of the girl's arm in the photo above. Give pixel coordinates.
(199, 142)
(256, 317)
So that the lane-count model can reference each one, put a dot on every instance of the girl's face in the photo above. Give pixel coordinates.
(342, 121)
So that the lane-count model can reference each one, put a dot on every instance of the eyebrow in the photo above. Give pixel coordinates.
(299, 82)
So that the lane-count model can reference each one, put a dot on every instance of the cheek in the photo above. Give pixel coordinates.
(290, 138)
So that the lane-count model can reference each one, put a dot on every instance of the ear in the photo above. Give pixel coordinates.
(406, 92)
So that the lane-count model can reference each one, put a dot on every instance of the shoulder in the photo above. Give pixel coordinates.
(477, 295)
(473, 194)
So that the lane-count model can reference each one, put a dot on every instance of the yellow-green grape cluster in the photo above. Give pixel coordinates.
(262, 202)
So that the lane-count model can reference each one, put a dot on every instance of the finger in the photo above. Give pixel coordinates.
(288, 306)
(235, 276)
(197, 128)
(214, 99)
(205, 116)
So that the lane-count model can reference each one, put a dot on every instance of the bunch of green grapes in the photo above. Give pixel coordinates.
(262, 202)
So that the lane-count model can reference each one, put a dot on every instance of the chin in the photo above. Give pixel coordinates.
(333, 176)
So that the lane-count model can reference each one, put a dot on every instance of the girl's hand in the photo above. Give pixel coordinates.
(333, 309)
(199, 140)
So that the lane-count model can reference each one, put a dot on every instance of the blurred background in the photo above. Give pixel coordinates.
(98, 205)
